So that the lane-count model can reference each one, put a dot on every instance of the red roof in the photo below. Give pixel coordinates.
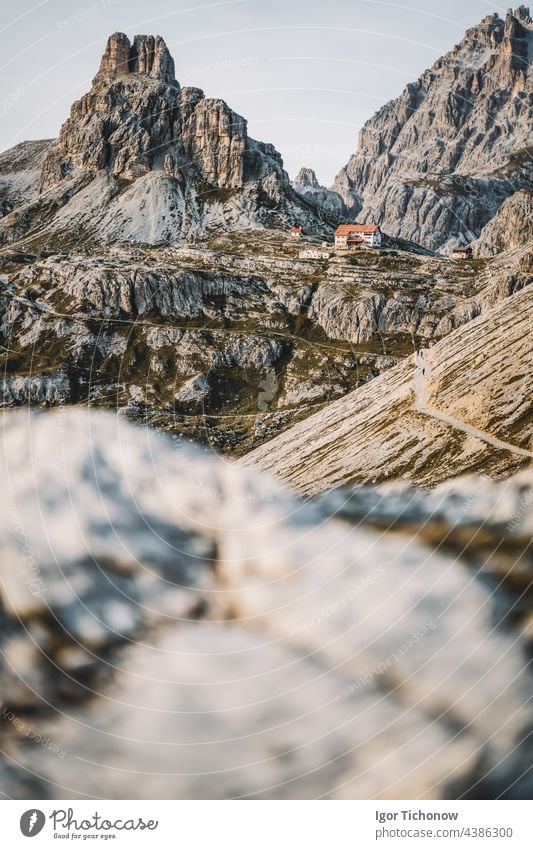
(348, 229)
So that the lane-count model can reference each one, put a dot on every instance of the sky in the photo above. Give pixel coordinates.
(306, 74)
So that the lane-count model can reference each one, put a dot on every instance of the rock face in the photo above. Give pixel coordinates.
(142, 159)
(43, 389)
(306, 179)
(136, 119)
(147, 55)
(20, 169)
(437, 164)
(307, 185)
(511, 226)
(142, 578)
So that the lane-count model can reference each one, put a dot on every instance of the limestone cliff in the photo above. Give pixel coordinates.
(143, 159)
(511, 227)
(436, 165)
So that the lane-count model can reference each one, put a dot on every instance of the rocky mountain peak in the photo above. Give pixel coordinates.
(515, 50)
(522, 13)
(306, 179)
(437, 163)
(136, 120)
(142, 159)
(492, 29)
(148, 55)
(307, 185)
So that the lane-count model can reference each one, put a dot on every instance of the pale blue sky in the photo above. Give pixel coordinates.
(306, 74)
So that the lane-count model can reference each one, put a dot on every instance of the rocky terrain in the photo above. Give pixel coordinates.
(172, 626)
(142, 159)
(438, 164)
(230, 342)
(462, 405)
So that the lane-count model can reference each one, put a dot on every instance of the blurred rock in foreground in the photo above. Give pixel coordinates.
(174, 626)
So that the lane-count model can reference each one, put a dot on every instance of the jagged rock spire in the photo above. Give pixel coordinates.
(522, 13)
(306, 178)
(148, 55)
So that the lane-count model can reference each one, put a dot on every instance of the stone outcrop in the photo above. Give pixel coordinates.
(215, 138)
(136, 119)
(148, 56)
(20, 170)
(306, 179)
(142, 159)
(436, 164)
(143, 578)
(116, 59)
(41, 389)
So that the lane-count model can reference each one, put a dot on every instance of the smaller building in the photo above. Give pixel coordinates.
(463, 252)
(353, 236)
(296, 232)
(315, 253)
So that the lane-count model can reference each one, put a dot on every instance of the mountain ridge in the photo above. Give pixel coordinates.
(436, 164)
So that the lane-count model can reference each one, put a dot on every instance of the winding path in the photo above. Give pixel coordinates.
(421, 406)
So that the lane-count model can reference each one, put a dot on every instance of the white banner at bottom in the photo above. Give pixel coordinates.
(267, 824)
